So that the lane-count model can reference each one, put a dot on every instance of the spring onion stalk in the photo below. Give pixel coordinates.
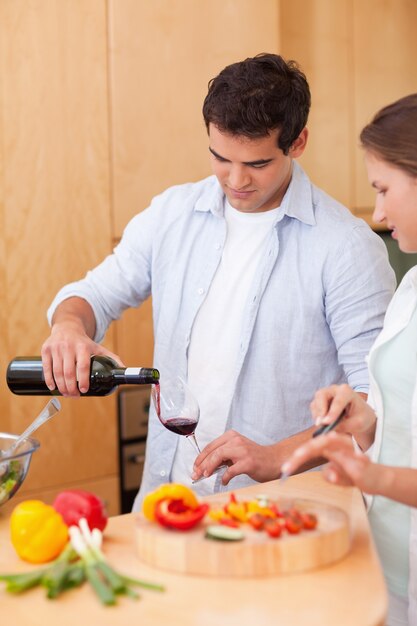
(106, 581)
(81, 560)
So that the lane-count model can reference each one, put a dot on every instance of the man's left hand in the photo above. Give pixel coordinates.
(244, 456)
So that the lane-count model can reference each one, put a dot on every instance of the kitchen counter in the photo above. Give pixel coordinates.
(350, 592)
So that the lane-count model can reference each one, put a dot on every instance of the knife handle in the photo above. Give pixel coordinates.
(326, 428)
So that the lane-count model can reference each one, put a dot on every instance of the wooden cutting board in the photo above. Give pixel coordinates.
(256, 555)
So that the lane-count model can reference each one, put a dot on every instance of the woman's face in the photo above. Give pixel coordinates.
(396, 200)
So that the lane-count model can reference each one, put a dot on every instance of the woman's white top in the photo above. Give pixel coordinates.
(398, 317)
(395, 370)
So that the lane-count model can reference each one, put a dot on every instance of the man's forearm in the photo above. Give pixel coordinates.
(77, 312)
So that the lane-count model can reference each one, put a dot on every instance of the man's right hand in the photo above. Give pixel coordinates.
(67, 352)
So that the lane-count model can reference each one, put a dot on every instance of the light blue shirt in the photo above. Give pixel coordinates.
(314, 308)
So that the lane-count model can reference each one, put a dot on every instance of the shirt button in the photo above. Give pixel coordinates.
(162, 473)
(200, 291)
(218, 246)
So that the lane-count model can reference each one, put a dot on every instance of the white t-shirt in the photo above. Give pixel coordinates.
(216, 334)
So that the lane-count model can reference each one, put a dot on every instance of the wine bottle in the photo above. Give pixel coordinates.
(25, 376)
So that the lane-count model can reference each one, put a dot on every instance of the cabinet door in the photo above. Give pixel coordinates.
(162, 56)
(317, 34)
(385, 69)
(54, 210)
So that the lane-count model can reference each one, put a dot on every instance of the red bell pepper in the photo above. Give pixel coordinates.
(73, 504)
(175, 514)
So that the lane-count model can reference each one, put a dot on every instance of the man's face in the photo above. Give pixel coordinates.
(253, 173)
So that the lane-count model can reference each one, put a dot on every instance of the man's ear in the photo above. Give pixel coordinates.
(299, 144)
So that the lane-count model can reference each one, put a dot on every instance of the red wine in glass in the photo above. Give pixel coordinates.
(176, 408)
(181, 425)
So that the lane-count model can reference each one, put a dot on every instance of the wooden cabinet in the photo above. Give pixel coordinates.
(55, 214)
(358, 56)
(162, 55)
(385, 69)
(317, 34)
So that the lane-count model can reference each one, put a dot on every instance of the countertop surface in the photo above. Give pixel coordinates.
(350, 592)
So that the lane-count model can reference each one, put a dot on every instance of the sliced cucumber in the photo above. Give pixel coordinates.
(224, 533)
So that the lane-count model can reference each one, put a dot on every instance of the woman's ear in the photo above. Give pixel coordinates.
(299, 144)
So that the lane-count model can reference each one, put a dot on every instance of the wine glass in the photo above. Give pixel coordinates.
(177, 409)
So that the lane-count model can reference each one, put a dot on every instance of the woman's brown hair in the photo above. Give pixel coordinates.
(392, 134)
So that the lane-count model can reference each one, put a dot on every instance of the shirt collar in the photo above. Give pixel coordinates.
(297, 202)
(298, 199)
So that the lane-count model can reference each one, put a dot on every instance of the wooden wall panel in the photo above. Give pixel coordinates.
(385, 69)
(4, 351)
(162, 55)
(55, 207)
(317, 34)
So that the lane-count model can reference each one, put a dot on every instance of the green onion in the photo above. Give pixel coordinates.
(81, 560)
(16, 583)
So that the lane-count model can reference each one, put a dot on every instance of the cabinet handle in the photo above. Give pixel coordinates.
(137, 459)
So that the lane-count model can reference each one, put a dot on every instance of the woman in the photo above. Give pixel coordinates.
(388, 430)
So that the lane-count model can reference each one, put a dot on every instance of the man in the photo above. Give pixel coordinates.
(263, 287)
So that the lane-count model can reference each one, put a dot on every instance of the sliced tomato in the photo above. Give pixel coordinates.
(228, 521)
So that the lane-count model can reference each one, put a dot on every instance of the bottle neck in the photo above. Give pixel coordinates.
(119, 375)
(135, 376)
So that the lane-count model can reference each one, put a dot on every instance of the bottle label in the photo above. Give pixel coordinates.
(132, 371)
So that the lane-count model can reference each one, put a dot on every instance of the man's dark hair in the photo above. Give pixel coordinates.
(257, 95)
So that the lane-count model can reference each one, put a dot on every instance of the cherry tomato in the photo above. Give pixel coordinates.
(293, 524)
(257, 521)
(309, 521)
(273, 528)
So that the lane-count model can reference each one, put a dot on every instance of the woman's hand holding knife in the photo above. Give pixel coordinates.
(345, 410)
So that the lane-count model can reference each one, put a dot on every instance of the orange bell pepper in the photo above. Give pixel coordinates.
(169, 491)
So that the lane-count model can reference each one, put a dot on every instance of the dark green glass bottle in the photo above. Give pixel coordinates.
(25, 376)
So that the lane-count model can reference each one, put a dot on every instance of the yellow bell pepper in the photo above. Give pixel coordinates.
(217, 514)
(38, 532)
(238, 511)
(253, 506)
(169, 491)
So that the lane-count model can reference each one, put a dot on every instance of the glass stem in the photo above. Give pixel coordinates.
(191, 438)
